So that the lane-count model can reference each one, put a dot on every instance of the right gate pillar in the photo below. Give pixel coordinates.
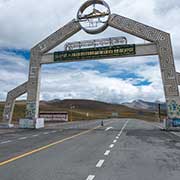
(168, 72)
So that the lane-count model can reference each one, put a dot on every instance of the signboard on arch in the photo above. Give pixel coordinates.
(96, 53)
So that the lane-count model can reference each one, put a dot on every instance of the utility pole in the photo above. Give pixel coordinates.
(71, 107)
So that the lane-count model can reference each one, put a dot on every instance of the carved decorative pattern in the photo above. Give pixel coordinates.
(58, 37)
(178, 77)
(137, 29)
(171, 90)
(168, 75)
(173, 107)
(30, 109)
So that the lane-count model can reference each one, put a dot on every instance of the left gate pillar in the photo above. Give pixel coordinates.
(33, 90)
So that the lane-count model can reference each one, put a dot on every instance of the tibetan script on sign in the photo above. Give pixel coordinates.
(96, 53)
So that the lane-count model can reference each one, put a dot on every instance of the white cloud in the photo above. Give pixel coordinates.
(24, 23)
(91, 84)
(13, 72)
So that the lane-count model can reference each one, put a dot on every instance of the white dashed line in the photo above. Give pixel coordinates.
(108, 128)
(22, 138)
(115, 141)
(107, 152)
(125, 124)
(46, 133)
(117, 137)
(35, 135)
(90, 177)
(5, 142)
(111, 146)
(100, 163)
(53, 131)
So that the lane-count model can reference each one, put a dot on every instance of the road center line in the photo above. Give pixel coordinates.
(5, 142)
(117, 137)
(46, 133)
(45, 147)
(35, 135)
(107, 152)
(22, 138)
(115, 141)
(111, 146)
(108, 128)
(125, 124)
(100, 163)
(90, 177)
(53, 131)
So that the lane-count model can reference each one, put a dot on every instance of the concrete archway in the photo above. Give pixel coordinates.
(160, 45)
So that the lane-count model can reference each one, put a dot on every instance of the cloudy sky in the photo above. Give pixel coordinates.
(25, 23)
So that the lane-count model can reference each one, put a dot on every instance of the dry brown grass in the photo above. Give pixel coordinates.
(95, 110)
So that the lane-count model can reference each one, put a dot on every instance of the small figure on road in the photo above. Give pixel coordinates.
(102, 123)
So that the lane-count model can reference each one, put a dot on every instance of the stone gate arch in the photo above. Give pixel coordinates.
(160, 44)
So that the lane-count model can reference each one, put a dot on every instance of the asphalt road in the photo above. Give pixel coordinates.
(122, 149)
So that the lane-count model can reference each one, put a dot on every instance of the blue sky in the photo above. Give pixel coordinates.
(24, 53)
(117, 80)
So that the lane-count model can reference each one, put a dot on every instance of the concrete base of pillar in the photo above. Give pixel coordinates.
(36, 123)
(6, 126)
(10, 125)
(172, 124)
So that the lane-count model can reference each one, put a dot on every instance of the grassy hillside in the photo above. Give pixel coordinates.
(19, 110)
(95, 110)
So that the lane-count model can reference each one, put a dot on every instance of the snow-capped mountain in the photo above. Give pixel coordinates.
(140, 104)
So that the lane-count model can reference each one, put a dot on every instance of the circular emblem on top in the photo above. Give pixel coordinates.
(93, 16)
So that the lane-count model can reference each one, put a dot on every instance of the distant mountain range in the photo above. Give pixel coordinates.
(93, 104)
(140, 104)
(81, 104)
